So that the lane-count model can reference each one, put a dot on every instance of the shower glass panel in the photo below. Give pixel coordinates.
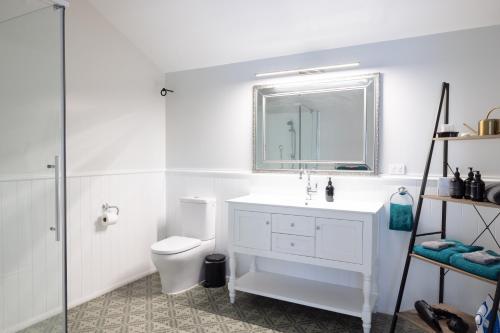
(32, 174)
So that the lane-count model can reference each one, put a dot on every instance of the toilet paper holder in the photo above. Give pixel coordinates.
(107, 207)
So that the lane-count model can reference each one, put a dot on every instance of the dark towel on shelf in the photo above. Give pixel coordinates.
(444, 255)
(493, 193)
(490, 271)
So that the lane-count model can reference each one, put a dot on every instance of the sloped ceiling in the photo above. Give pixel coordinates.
(186, 34)
(14, 8)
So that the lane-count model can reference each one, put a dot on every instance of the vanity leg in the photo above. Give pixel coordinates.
(232, 277)
(366, 316)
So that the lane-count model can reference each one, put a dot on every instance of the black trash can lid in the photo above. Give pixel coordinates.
(216, 257)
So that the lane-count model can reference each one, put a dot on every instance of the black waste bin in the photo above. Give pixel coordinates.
(215, 271)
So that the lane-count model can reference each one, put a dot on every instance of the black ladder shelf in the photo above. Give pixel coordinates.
(443, 268)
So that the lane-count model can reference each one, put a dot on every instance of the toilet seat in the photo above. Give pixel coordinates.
(175, 244)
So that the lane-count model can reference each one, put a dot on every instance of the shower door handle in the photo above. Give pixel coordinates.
(57, 175)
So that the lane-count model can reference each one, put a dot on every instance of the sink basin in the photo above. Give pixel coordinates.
(371, 207)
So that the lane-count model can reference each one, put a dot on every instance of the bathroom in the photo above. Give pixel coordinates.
(123, 142)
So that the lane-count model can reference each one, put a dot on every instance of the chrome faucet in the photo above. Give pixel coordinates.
(309, 188)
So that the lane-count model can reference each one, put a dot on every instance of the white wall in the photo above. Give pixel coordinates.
(116, 119)
(211, 110)
(209, 142)
(116, 154)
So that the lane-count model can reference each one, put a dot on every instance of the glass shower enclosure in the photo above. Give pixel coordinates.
(32, 167)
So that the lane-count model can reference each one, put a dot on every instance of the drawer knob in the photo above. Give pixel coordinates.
(317, 228)
(267, 222)
(292, 225)
(292, 244)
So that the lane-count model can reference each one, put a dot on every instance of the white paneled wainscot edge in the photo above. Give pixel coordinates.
(99, 259)
(343, 236)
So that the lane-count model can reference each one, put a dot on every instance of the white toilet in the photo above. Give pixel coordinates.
(179, 259)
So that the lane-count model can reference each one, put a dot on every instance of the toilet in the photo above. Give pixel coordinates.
(179, 259)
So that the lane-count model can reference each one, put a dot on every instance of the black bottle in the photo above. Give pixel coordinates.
(477, 188)
(329, 190)
(457, 186)
(468, 182)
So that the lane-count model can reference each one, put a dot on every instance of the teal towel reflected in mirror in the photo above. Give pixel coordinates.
(401, 217)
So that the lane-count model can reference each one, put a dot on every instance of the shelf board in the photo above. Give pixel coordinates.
(412, 316)
(452, 268)
(468, 138)
(326, 296)
(461, 201)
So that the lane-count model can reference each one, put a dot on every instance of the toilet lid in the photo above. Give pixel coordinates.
(175, 244)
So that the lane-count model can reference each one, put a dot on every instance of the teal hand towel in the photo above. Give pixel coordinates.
(444, 255)
(490, 271)
(401, 217)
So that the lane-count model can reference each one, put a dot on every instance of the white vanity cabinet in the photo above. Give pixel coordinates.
(341, 235)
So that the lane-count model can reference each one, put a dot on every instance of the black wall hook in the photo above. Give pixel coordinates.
(165, 91)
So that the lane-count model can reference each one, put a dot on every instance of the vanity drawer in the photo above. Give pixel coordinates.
(293, 224)
(300, 245)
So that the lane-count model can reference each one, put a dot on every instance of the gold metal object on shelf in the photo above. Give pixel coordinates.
(489, 126)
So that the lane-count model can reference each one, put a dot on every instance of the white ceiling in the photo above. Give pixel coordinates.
(13, 8)
(186, 34)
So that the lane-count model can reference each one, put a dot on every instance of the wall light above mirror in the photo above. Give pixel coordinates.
(328, 125)
(309, 71)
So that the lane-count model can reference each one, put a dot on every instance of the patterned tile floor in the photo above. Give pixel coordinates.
(141, 307)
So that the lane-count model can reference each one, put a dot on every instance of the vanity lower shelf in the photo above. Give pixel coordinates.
(326, 296)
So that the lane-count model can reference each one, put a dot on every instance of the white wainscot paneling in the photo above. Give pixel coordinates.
(463, 224)
(99, 259)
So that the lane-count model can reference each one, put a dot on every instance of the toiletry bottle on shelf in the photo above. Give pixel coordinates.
(468, 183)
(457, 186)
(329, 191)
(477, 188)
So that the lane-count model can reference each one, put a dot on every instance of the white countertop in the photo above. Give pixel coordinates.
(369, 207)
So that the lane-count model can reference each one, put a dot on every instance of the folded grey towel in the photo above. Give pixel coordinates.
(481, 257)
(493, 193)
(437, 244)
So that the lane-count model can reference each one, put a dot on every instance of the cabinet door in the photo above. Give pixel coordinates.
(339, 240)
(252, 229)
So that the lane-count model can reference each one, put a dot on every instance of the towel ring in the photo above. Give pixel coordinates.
(403, 191)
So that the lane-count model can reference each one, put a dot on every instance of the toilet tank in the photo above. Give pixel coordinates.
(197, 216)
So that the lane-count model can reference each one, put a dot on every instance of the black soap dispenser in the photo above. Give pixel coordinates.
(329, 190)
(457, 186)
(477, 188)
(468, 183)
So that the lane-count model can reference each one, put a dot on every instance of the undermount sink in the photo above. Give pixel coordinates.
(315, 203)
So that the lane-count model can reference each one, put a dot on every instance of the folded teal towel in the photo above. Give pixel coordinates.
(444, 255)
(490, 271)
(401, 217)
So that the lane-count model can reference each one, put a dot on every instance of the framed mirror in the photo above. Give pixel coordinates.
(324, 126)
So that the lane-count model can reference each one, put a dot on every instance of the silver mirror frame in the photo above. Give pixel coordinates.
(376, 77)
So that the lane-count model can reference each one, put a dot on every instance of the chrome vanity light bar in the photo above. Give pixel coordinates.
(308, 71)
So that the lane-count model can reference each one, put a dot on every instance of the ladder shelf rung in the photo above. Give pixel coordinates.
(468, 138)
(428, 234)
(461, 201)
(452, 268)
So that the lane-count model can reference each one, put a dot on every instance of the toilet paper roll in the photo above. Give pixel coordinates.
(109, 218)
